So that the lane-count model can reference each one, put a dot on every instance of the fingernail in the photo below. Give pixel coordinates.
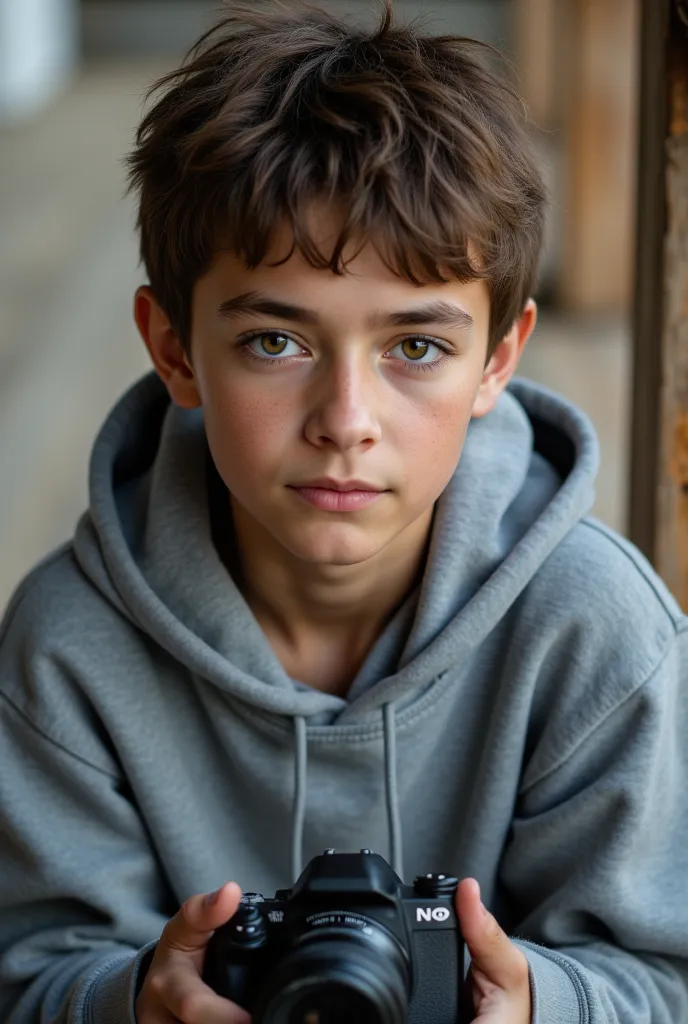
(213, 897)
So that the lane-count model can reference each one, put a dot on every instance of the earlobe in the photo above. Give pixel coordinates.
(169, 359)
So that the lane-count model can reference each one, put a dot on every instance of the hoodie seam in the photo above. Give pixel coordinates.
(571, 969)
(363, 733)
(588, 733)
(599, 528)
(30, 582)
(87, 998)
(56, 743)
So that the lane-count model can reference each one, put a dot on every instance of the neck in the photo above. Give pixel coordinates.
(322, 620)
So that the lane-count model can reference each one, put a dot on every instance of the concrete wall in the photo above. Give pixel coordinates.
(38, 51)
(41, 41)
(159, 27)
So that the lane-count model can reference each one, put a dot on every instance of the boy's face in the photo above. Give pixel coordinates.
(308, 379)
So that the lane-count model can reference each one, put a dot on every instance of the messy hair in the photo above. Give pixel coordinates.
(421, 145)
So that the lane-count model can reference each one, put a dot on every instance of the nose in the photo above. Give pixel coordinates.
(343, 411)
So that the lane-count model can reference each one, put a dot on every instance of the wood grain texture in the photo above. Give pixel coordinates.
(600, 63)
(672, 509)
(537, 40)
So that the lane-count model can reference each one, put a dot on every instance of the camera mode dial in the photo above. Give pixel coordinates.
(248, 926)
(435, 886)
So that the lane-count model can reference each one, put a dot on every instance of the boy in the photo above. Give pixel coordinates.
(337, 586)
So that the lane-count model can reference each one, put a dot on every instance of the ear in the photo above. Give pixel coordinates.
(167, 353)
(504, 360)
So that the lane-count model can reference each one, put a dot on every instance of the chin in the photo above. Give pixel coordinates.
(334, 546)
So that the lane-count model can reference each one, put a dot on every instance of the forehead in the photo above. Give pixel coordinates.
(367, 287)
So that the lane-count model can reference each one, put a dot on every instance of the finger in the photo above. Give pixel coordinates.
(492, 951)
(191, 1001)
(192, 926)
(158, 1016)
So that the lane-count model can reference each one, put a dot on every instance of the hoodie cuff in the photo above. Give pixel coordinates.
(556, 991)
(112, 994)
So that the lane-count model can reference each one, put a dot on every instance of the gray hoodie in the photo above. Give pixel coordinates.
(521, 719)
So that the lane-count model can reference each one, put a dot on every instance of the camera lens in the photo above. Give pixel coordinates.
(337, 976)
(332, 1005)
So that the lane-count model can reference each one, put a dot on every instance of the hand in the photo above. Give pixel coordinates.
(498, 977)
(173, 990)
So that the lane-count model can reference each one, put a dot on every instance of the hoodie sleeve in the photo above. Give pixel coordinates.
(82, 896)
(598, 855)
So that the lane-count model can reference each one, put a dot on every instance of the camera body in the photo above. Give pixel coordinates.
(350, 942)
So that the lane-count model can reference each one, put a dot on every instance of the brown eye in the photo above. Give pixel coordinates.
(415, 348)
(273, 344)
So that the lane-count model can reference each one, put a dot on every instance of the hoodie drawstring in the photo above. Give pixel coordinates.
(300, 781)
(391, 792)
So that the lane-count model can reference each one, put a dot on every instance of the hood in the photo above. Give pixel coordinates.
(524, 479)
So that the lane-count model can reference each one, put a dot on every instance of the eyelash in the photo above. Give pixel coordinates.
(417, 366)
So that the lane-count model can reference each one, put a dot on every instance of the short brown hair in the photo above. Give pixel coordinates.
(419, 141)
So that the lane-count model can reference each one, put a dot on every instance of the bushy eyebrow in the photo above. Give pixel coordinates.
(446, 314)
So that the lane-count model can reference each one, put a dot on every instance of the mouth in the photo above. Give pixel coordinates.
(338, 495)
(328, 484)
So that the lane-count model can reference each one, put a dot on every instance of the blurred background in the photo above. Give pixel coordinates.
(72, 78)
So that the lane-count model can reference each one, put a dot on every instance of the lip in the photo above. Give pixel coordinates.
(338, 495)
(327, 483)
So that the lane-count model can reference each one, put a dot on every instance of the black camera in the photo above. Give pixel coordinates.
(349, 944)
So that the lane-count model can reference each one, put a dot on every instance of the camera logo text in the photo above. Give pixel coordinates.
(431, 914)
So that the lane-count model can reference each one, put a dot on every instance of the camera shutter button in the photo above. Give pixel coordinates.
(249, 898)
(435, 886)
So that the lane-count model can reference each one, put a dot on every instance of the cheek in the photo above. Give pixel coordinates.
(246, 430)
(433, 436)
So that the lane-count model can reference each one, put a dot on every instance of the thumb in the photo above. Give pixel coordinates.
(492, 952)
(192, 926)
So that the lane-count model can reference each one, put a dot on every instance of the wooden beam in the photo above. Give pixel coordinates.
(535, 44)
(659, 448)
(649, 275)
(672, 526)
(599, 65)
